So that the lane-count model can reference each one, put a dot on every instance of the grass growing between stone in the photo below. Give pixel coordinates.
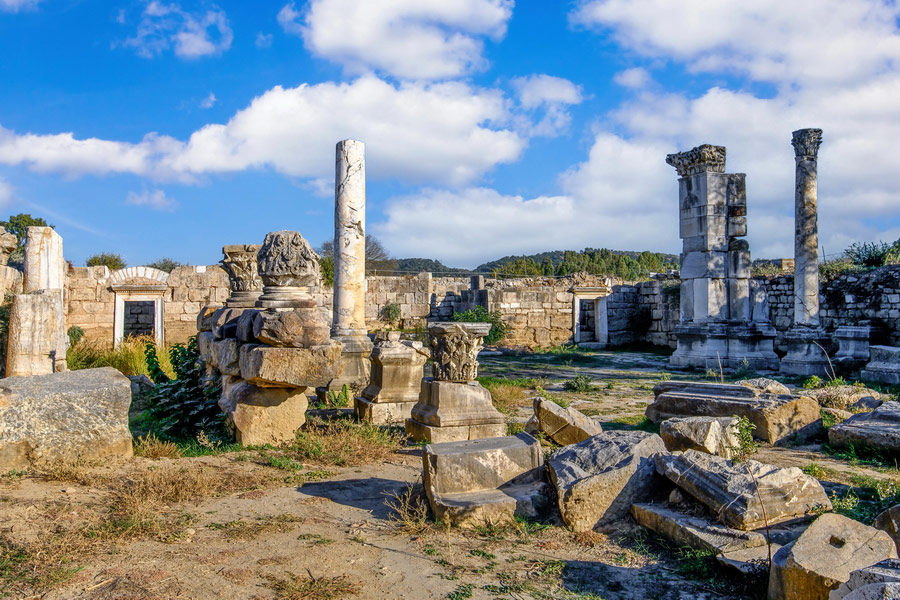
(127, 357)
(344, 442)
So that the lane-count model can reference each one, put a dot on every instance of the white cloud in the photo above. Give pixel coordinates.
(156, 199)
(209, 101)
(263, 40)
(798, 42)
(411, 39)
(634, 78)
(17, 5)
(446, 133)
(550, 96)
(192, 35)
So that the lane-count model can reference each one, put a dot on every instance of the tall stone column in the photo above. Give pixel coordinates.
(806, 339)
(45, 267)
(806, 231)
(349, 315)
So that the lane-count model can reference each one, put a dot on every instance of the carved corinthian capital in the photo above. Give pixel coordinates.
(241, 264)
(288, 267)
(806, 142)
(702, 159)
(454, 349)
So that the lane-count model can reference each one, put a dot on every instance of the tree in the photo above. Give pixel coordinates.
(113, 261)
(18, 226)
(377, 257)
(165, 264)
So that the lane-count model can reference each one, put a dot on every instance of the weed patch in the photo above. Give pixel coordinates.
(343, 442)
(294, 587)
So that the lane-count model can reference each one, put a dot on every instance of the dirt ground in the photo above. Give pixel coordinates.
(263, 523)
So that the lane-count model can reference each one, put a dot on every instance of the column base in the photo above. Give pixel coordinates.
(356, 366)
(805, 355)
(729, 345)
(383, 413)
(420, 432)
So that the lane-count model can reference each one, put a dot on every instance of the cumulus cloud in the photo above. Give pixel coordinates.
(549, 97)
(444, 133)
(17, 5)
(155, 199)
(411, 39)
(634, 78)
(191, 34)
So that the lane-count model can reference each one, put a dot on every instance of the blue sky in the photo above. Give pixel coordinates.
(172, 128)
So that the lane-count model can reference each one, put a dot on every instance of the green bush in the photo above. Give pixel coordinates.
(871, 254)
(75, 334)
(581, 383)
(112, 261)
(390, 313)
(165, 264)
(480, 314)
(183, 407)
(5, 307)
(326, 268)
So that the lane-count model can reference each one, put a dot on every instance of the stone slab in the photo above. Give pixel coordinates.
(564, 425)
(697, 532)
(713, 435)
(420, 432)
(289, 367)
(884, 366)
(264, 415)
(878, 430)
(383, 413)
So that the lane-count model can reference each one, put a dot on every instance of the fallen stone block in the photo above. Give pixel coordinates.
(290, 367)
(843, 397)
(824, 556)
(879, 430)
(598, 480)
(713, 435)
(76, 414)
(884, 367)
(886, 571)
(225, 355)
(889, 521)
(728, 491)
(766, 386)
(488, 480)
(697, 532)
(296, 328)
(263, 415)
(775, 417)
(564, 425)
(748, 561)
(876, 591)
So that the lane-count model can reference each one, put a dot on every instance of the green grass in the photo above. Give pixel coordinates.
(867, 499)
(631, 423)
(525, 382)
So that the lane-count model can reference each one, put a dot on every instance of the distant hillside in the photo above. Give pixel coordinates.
(627, 264)
(420, 265)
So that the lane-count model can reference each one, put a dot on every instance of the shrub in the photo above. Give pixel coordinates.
(581, 383)
(869, 254)
(183, 406)
(326, 267)
(113, 262)
(833, 269)
(480, 314)
(75, 334)
(165, 264)
(390, 313)
(5, 307)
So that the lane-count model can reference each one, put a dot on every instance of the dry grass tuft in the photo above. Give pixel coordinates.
(70, 471)
(409, 509)
(248, 530)
(343, 442)
(150, 446)
(312, 588)
(507, 397)
(127, 357)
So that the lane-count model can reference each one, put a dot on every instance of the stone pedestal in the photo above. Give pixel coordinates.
(452, 406)
(349, 325)
(884, 366)
(241, 262)
(45, 267)
(37, 334)
(853, 347)
(723, 321)
(395, 382)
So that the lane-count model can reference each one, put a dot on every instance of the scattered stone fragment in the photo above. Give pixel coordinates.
(775, 417)
(697, 532)
(843, 397)
(879, 429)
(730, 494)
(488, 480)
(889, 521)
(886, 571)
(824, 556)
(838, 415)
(876, 591)
(713, 435)
(748, 561)
(264, 415)
(564, 425)
(75, 414)
(766, 386)
(598, 480)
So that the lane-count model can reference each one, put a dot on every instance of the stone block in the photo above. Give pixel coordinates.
(877, 430)
(290, 367)
(703, 265)
(204, 317)
(884, 366)
(396, 377)
(774, 417)
(77, 414)
(485, 481)
(884, 572)
(37, 334)
(264, 415)
(225, 355)
(824, 556)
(45, 266)
(889, 521)
(564, 425)
(598, 480)
(713, 435)
(295, 328)
(729, 492)
(693, 531)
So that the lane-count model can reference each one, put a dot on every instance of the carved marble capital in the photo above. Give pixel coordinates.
(702, 159)
(806, 142)
(7, 244)
(287, 260)
(454, 349)
(241, 263)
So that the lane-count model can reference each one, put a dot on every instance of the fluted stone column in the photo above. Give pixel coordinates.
(806, 231)
(242, 265)
(806, 339)
(349, 315)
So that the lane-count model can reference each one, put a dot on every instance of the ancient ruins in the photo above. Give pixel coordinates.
(702, 450)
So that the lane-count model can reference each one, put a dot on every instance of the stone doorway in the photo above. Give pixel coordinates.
(587, 322)
(139, 318)
(590, 326)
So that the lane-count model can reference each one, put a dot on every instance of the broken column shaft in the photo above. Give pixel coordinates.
(806, 232)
